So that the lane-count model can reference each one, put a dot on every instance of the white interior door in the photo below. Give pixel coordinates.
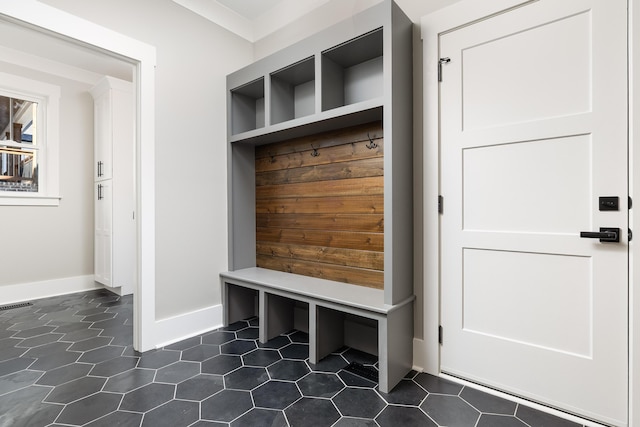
(533, 132)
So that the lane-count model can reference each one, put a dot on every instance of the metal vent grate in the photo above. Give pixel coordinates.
(366, 372)
(12, 306)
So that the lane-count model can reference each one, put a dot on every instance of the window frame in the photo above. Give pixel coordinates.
(47, 96)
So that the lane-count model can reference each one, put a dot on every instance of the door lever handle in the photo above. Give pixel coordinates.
(605, 235)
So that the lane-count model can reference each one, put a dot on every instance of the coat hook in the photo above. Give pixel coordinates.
(273, 158)
(371, 145)
(314, 153)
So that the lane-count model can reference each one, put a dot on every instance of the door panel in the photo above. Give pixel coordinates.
(533, 131)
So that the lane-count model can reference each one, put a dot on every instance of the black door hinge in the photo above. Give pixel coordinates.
(630, 235)
(440, 62)
(440, 204)
(630, 202)
(440, 332)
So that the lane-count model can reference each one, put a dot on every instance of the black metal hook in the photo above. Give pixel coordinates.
(314, 153)
(371, 145)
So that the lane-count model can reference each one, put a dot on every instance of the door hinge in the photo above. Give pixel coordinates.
(630, 235)
(440, 62)
(630, 202)
(440, 204)
(440, 332)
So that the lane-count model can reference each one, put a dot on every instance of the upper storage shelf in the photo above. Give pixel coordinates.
(336, 78)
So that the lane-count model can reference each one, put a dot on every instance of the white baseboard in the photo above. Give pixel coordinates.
(46, 288)
(178, 328)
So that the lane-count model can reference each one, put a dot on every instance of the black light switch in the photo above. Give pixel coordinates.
(609, 203)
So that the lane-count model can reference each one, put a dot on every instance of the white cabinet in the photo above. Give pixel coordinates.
(114, 248)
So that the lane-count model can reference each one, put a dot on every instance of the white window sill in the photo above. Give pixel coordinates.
(28, 200)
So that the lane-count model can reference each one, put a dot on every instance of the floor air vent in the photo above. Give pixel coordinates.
(367, 372)
(12, 306)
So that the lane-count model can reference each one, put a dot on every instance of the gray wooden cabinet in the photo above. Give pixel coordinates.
(355, 72)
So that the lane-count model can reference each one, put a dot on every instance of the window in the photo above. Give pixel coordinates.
(28, 142)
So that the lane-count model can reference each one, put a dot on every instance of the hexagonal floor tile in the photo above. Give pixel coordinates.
(248, 334)
(129, 380)
(101, 354)
(218, 337)
(450, 410)
(485, 402)
(238, 347)
(361, 403)
(76, 389)
(437, 385)
(295, 351)
(488, 420)
(276, 343)
(221, 364)
(176, 413)
(320, 385)
(261, 418)
(147, 397)
(90, 344)
(536, 418)
(309, 412)
(114, 366)
(226, 405)
(261, 357)
(177, 372)
(18, 380)
(200, 387)
(185, 344)
(157, 359)
(361, 357)
(90, 408)
(354, 422)
(14, 365)
(290, 370)
(201, 352)
(118, 418)
(405, 393)
(275, 395)
(394, 416)
(331, 363)
(246, 378)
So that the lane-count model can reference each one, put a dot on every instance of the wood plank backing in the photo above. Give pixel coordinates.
(337, 222)
(332, 171)
(343, 187)
(346, 257)
(320, 206)
(317, 205)
(338, 273)
(321, 156)
(327, 139)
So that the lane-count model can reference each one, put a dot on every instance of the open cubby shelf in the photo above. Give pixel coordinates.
(306, 96)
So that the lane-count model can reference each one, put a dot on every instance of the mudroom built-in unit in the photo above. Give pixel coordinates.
(114, 196)
(320, 191)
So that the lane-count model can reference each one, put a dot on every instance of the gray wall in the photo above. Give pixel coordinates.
(44, 243)
(193, 58)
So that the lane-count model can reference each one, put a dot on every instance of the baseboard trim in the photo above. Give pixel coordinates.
(181, 327)
(47, 288)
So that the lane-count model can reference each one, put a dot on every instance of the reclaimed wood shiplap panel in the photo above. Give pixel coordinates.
(320, 205)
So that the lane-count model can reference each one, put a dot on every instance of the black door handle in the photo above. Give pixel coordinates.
(605, 235)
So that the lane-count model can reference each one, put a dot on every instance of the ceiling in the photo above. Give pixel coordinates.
(252, 19)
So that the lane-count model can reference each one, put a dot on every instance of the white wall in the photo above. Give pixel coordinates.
(40, 242)
(193, 58)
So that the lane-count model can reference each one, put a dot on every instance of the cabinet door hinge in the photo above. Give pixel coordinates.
(440, 204)
(440, 62)
(440, 332)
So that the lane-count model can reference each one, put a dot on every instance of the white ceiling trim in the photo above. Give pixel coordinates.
(281, 14)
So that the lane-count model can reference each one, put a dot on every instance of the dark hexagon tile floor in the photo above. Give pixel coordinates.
(69, 361)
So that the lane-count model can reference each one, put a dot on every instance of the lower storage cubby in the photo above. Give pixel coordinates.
(335, 315)
(336, 329)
